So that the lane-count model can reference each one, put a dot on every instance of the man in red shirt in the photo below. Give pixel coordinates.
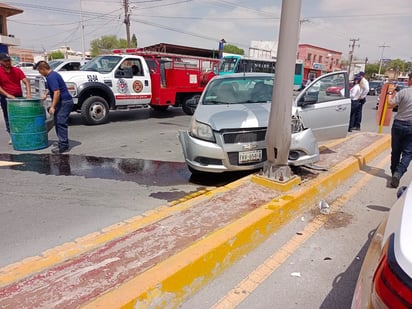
(10, 86)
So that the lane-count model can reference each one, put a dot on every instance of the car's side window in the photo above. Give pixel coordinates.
(326, 89)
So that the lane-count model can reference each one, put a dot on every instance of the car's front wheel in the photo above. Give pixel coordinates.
(95, 110)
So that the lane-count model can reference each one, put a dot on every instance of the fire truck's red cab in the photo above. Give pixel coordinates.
(176, 78)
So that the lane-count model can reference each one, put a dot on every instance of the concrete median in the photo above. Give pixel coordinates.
(159, 259)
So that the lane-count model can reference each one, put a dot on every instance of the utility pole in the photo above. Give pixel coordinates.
(82, 31)
(380, 62)
(278, 134)
(352, 46)
(127, 21)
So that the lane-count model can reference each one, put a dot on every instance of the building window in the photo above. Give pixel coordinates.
(320, 59)
(337, 61)
(314, 58)
(309, 56)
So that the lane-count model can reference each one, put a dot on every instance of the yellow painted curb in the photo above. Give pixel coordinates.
(171, 281)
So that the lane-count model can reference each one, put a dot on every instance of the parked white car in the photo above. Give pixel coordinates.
(385, 279)
(228, 128)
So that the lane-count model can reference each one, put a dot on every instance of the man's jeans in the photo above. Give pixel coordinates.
(61, 119)
(401, 146)
(358, 115)
(3, 101)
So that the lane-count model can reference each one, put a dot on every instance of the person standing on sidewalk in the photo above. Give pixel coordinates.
(61, 106)
(364, 86)
(401, 133)
(355, 93)
(10, 86)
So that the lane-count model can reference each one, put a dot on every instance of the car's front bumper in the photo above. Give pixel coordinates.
(211, 157)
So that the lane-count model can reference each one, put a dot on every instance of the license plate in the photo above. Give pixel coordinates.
(250, 156)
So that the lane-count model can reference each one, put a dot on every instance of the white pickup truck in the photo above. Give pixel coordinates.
(105, 83)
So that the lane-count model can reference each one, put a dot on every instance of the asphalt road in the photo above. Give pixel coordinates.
(113, 172)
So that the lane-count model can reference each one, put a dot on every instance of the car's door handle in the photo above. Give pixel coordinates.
(340, 108)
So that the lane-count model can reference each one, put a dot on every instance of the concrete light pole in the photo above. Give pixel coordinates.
(278, 135)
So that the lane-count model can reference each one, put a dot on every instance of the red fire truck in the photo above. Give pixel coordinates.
(175, 78)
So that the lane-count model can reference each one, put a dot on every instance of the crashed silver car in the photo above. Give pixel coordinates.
(228, 128)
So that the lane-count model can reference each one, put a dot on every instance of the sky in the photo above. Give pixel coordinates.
(48, 24)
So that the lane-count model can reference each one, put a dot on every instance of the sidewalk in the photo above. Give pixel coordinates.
(159, 259)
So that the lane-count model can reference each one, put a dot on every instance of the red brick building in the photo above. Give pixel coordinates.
(318, 60)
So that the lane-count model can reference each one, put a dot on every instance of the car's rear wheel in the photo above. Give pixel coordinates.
(187, 109)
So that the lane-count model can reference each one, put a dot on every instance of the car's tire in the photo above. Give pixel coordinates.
(159, 108)
(187, 109)
(95, 110)
(194, 172)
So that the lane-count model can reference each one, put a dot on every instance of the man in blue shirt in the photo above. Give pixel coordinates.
(61, 106)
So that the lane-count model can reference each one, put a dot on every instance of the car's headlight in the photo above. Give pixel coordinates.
(72, 88)
(201, 131)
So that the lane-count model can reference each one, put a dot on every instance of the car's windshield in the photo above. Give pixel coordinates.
(102, 64)
(239, 90)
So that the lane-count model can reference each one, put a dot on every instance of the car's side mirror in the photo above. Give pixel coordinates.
(308, 99)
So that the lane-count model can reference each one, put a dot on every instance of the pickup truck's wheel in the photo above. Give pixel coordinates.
(95, 110)
(189, 110)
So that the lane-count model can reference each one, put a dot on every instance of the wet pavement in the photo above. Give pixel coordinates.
(142, 172)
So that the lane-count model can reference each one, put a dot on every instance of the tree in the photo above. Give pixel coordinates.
(232, 49)
(55, 55)
(371, 69)
(134, 41)
(106, 43)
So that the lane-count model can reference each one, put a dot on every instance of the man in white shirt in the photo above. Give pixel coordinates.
(364, 85)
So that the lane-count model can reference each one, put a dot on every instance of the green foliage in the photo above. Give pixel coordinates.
(232, 49)
(371, 69)
(105, 44)
(55, 55)
(397, 64)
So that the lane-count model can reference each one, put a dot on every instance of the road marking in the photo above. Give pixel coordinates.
(234, 297)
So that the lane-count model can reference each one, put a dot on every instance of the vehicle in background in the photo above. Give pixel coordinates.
(134, 79)
(238, 64)
(375, 87)
(228, 128)
(385, 279)
(66, 65)
(23, 65)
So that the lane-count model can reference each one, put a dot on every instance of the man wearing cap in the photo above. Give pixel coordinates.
(10, 87)
(364, 86)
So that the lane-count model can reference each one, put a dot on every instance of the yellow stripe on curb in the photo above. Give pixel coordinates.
(268, 267)
(171, 281)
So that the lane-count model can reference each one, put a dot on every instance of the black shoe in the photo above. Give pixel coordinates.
(356, 128)
(58, 150)
(396, 177)
(350, 130)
